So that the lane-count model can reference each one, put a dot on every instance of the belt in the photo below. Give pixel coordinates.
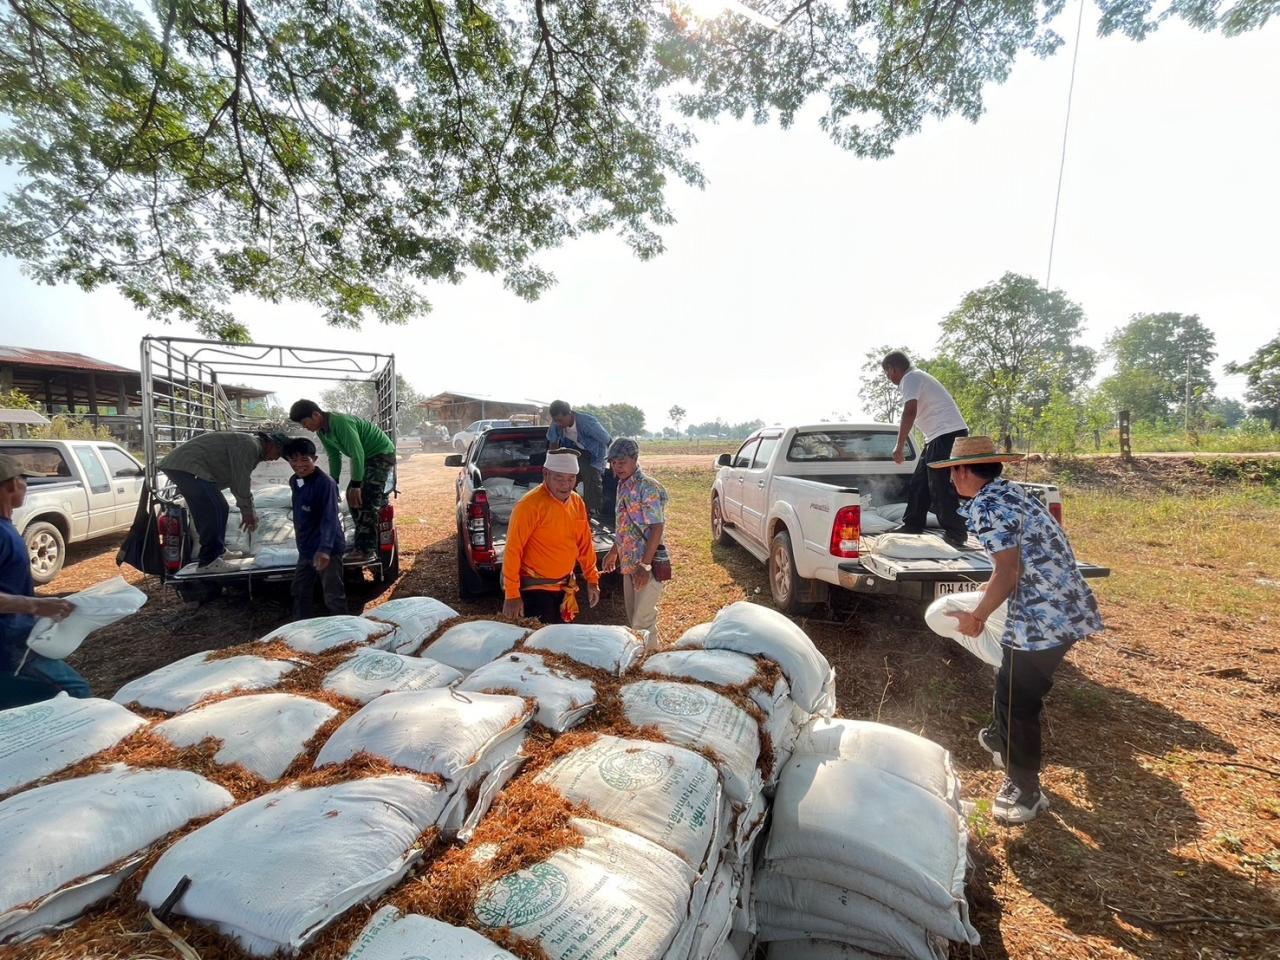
(527, 583)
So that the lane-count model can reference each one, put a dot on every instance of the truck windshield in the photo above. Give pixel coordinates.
(40, 464)
(840, 446)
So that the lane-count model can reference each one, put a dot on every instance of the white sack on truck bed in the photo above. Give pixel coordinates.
(563, 700)
(899, 752)
(753, 629)
(658, 791)
(903, 546)
(184, 683)
(42, 738)
(371, 673)
(615, 649)
(986, 645)
(264, 732)
(70, 844)
(414, 619)
(470, 645)
(274, 871)
(850, 825)
(618, 896)
(391, 935)
(694, 717)
(318, 634)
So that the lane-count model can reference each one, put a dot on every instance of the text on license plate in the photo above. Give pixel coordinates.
(944, 589)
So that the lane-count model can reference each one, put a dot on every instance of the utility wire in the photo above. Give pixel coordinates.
(1062, 162)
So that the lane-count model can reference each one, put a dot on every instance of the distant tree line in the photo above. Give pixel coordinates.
(1012, 355)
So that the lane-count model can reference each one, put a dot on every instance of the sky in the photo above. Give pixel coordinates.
(797, 258)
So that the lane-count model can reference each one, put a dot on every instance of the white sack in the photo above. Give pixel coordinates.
(986, 645)
(853, 826)
(907, 546)
(430, 731)
(99, 606)
(42, 738)
(658, 791)
(617, 896)
(894, 512)
(845, 915)
(913, 758)
(272, 872)
(695, 717)
(281, 555)
(470, 645)
(615, 649)
(414, 619)
(264, 732)
(391, 935)
(722, 667)
(873, 523)
(318, 634)
(815, 950)
(563, 699)
(183, 683)
(371, 673)
(757, 630)
(693, 638)
(69, 844)
(711, 929)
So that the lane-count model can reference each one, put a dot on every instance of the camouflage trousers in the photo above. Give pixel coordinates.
(373, 493)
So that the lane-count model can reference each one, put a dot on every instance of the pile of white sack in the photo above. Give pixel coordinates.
(374, 748)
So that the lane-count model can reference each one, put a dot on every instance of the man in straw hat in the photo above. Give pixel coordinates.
(928, 406)
(1050, 608)
(206, 465)
(549, 533)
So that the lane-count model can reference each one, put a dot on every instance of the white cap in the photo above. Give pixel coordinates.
(562, 462)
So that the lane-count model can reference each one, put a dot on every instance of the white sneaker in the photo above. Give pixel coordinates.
(220, 565)
(1014, 806)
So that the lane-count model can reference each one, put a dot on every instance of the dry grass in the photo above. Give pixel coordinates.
(1158, 733)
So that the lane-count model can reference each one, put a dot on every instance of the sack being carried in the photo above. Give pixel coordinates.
(986, 645)
(99, 606)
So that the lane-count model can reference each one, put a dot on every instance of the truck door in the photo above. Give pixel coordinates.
(732, 488)
(126, 483)
(755, 488)
(98, 489)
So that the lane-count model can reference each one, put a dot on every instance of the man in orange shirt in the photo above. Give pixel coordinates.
(549, 533)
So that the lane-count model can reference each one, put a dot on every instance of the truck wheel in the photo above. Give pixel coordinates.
(718, 535)
(784, 583)
(47, 550)
(470, 583)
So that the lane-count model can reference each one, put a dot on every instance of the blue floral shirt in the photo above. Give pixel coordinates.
(1051, 605)
(642, 502)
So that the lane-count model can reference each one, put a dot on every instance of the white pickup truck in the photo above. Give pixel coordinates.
(810, 500)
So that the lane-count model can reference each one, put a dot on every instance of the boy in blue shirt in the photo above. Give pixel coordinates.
(317, 529)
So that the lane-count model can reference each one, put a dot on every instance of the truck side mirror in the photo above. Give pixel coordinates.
(453, 460)
(724, 460)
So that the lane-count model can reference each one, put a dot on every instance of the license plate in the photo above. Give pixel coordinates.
(946, 589)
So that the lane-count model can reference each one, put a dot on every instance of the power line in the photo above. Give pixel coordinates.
(1062, 161)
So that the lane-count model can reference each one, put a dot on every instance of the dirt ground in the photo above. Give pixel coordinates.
(1162, 739)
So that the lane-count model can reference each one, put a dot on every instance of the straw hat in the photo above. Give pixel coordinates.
(968, 450)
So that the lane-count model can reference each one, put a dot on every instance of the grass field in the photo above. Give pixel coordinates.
(1162, 738)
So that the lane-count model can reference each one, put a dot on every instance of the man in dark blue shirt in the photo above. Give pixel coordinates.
(317, 528)
(38, 676)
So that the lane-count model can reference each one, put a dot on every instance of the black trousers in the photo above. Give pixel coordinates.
(593, 491)
(610, 507)
(209, 512)
(543, 605)
(1024, 679)
(305, 579)
(931, 489)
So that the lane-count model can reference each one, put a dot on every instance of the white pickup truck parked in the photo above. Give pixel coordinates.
(76, 490)
(809, 501)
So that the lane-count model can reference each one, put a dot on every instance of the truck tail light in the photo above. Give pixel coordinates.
(387, 528)
(169, 526)
(846, 532)
(1055, 511)
(480, 529)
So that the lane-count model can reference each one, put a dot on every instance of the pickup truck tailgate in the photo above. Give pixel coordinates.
(972, 566)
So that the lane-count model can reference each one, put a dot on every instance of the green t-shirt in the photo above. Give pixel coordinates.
(357, 439)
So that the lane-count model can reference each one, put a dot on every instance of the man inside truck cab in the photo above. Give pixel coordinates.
(574, 430)
(206, 465)
(927, 405)
(372, 455)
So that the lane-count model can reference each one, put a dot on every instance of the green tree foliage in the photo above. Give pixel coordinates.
(15, 399)
(1263, 391)
(349, 153)
(620, 419)
(1158, 355)
(880, 398)
(1015, 342)
(677, 413)
(360, 398)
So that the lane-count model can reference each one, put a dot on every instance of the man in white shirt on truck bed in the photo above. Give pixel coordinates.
(929, 406)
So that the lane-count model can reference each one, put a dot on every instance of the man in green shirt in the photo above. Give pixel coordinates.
(206, 465)
(372, 454)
